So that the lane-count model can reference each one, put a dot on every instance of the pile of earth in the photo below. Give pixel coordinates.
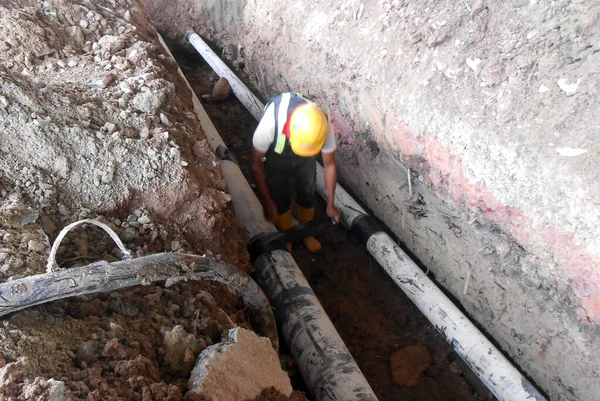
(133, 344)
(96, 123)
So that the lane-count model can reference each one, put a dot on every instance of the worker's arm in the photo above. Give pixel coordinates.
(330, 176)
(258, 174)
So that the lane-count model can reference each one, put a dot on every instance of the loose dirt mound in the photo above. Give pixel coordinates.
(138, 344)
(95, 121)
(128, 344)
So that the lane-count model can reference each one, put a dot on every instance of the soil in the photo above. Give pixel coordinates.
(96, 123)
(372, 315)
(92, 128)
(134, 344)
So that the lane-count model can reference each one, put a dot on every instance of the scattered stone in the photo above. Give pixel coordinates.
(35, 246)
(568, 88)
(164, 120)
(149, 101)
(221, 90)
(77, 34)
(129, 234)
(181, 349)
(87, 352)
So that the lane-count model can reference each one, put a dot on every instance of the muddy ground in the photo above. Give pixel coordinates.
(372, 315)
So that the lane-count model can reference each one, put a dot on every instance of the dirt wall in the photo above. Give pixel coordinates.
(489, 110)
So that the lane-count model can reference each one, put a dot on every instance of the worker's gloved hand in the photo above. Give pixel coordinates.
(334, 214)
(270, 210)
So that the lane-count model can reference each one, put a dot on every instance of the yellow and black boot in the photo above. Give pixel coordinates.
(284, 222)
(304, 216)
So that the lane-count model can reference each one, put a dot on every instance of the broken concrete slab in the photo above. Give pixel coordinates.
(240, 367)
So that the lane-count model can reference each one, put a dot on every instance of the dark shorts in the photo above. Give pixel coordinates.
(279, 170)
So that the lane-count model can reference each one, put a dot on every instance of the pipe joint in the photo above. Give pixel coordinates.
(364, 226)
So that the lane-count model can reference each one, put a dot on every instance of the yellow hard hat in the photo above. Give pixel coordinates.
(308, 130)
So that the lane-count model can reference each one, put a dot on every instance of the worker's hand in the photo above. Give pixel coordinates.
(270, 210)
(334, 214)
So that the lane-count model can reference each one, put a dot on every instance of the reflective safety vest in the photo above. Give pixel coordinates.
(284, 104)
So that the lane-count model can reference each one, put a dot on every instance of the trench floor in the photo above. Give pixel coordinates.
(373, 316)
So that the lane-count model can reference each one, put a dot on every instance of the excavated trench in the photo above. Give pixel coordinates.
(97, 123)
(401, 354)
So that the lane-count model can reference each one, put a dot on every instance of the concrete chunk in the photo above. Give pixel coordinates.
(240, 367)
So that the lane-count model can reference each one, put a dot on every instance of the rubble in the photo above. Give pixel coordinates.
(242, 365)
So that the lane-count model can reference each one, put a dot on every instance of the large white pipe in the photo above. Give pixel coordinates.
(490, 365)
(254, 106)
(323, 359)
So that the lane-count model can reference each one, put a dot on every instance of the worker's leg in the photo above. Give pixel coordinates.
(306, 180)
(277, 171)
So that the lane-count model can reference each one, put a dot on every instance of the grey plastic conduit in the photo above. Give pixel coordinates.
(490, 365)
(323, 359)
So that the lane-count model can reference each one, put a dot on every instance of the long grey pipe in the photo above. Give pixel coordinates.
(323, 359)
(490, 365)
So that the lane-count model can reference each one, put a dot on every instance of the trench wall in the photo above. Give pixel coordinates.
(468, 128)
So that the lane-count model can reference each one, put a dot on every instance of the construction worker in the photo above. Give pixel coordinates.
(292, 131)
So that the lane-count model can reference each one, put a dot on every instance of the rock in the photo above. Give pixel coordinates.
(129, 234)
(112, 44)
(57, 391)
(181, 349)
(29, 217)
(149, 101)
(109, 127)
(113, 349)
(87, 352)
(35, 246)
(102, 83)
(77, 34)
(62, 209)
(164, 120)
(15, 372)
(140, 366)
(222, 89)
(145, 133)
(408, 364)
(242, 358)
(108, 79)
